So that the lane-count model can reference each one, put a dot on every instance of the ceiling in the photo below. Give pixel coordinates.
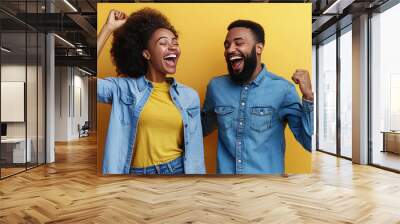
(76, 24)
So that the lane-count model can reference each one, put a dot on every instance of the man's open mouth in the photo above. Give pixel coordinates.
(170, 60)
(236, 62)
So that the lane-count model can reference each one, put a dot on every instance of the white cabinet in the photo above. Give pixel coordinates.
(16, 147)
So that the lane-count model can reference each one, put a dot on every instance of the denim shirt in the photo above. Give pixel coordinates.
(128, 97)
(251, 120)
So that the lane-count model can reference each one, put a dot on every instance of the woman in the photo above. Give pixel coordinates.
(155, 125)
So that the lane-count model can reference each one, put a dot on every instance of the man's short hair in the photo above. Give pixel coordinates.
(257, 29)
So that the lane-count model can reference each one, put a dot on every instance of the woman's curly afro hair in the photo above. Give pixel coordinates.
(131, 39)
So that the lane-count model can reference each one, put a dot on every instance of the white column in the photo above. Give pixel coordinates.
(50, 100)
(50, 93)
(360, 90)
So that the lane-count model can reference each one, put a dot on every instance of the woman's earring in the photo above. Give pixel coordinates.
(146, 55)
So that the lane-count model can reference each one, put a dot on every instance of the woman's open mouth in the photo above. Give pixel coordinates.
(170, 60)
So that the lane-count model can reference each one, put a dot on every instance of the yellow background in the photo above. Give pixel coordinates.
(202, 31)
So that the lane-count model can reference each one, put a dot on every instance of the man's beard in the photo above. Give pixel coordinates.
(249, 66)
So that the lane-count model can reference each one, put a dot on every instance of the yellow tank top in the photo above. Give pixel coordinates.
(159, 134)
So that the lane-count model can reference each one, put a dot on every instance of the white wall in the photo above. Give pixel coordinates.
(80, 84)
(33, 126)
(61, 103)
(71, 93)
(17, 72)
(14, 73)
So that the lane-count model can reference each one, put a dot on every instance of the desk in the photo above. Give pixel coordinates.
(391, 141)
(13, 150)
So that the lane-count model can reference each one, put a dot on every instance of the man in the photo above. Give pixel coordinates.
(251, 107)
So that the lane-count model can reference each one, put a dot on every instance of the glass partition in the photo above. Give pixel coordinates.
(22, 89)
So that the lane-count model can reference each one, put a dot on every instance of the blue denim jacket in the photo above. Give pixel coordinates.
(128, 97)
(251, 120)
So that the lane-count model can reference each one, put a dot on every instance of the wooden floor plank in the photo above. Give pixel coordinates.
(69, 191)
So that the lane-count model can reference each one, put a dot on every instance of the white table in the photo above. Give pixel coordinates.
(18, 149)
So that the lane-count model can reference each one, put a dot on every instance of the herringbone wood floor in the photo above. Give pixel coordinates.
(70, 191)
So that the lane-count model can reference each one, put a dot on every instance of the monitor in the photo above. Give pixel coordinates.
(3, 129)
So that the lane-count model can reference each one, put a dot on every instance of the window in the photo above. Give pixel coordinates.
(327, 96)
(346, 93)
(385, 88)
